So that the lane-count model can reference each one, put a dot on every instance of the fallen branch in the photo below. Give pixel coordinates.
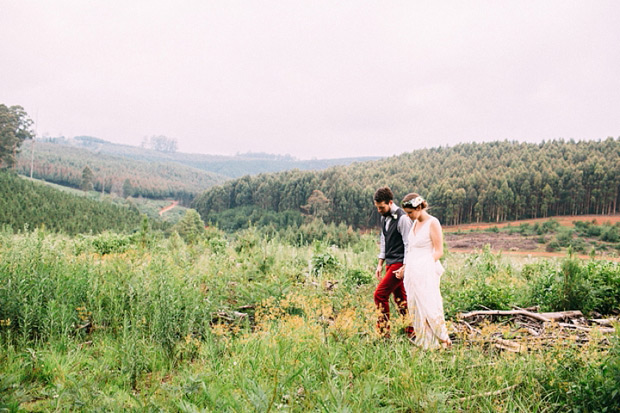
(524, 313)
(603, 322)
(580, 328)
(509, 345)
(229, 316)
(563, 315)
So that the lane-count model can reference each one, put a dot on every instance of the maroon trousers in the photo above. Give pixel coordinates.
(387, 286)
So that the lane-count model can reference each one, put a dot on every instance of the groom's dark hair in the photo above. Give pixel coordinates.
(384, 195)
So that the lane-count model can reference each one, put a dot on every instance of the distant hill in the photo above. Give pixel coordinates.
(26, 203)
(150, 173)
(63, 164)
(473, 182)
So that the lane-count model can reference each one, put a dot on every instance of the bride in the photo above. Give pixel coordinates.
(422, 271)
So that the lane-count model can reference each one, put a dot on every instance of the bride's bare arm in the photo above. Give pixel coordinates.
(437, 239)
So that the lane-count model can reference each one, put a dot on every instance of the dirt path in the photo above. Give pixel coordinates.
(565, 220)
(168, 208)
(538, 254)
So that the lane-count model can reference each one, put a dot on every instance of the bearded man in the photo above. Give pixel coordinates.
(395, 227)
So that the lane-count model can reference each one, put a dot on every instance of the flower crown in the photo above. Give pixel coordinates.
(413, 203)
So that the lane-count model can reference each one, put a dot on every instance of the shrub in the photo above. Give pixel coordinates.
(564, 237)
(358, 277)
(323, 261)
(191, 227)
(553, 246)
(108, 243)
(611, 234)
(525, 229)
(483, 285)
(593, 286)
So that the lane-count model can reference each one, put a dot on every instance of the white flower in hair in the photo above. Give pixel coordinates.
(416, 202)
(413, 203)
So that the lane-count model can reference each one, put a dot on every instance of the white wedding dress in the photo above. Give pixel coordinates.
(422, 274)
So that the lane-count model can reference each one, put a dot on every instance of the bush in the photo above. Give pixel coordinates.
(589, 229)
(191, 227)
(553, 246)
(611, 234)
(525, 229)
(593, 286)
(564, 237)
(323, 261)
(108, 243)
(358, 277)
(483, 285)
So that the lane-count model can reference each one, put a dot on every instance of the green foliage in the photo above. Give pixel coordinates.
(28, 204)
(591, 387)
(588, 229)
(340, 235)
(483, 285)
(589, 286)
(553, 246)
(108, 243)
(564, 237)
(158, 328)
(598, 390)
(191, 227)
(356, 276)
(15, 128)
(87, 179)
(491, 182)
(611, 234)
(323, 260)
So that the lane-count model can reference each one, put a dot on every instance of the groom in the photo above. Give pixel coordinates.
(395, 227)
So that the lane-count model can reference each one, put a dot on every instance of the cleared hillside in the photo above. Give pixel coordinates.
(63, 164)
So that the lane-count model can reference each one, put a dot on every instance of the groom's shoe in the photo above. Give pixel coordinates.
(410, 333)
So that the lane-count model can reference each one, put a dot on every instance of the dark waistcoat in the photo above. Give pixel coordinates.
(394, 247)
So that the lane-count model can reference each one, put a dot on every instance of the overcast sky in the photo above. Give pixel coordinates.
(314, 78)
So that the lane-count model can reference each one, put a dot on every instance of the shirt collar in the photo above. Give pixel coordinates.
(393, 210)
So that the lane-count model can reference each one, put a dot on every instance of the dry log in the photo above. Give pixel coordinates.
(603, 322)
(509, 345)
(588, 329)
(562, 315)
(470, 328)
(490, 393)
(535, 316)
(229, 316)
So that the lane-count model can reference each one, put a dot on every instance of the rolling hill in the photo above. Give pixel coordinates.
(136, 171)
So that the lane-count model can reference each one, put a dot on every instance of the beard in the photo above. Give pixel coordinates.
(387, 214)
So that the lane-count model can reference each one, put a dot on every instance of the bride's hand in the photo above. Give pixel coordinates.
(400, 273)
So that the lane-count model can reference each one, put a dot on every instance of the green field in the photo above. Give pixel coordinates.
(112, 322)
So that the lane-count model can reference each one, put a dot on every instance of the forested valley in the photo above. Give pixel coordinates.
(473, 182)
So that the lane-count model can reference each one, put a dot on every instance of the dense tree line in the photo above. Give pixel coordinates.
(471, 182)
(25, 203)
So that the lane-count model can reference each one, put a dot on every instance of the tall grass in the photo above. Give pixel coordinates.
(156, 326)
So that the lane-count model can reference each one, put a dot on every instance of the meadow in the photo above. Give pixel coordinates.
(259, 321)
